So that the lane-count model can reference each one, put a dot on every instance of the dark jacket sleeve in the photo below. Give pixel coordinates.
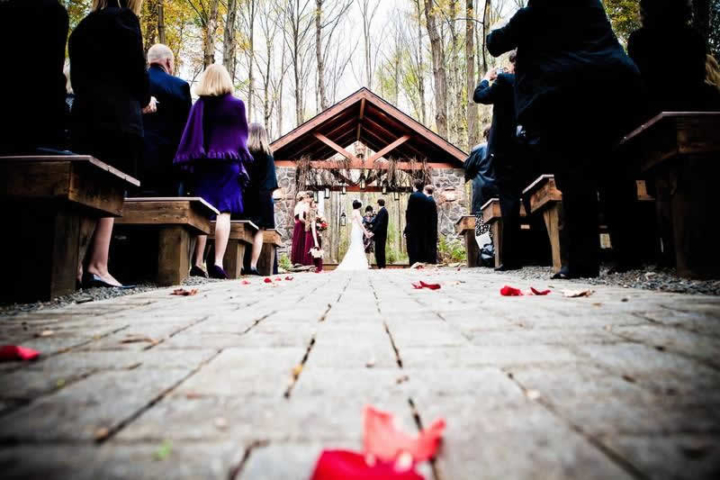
(129, 28)
(507, 38)
(486, 93)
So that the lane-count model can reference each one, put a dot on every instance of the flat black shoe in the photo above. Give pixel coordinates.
(196, 271)
(90, 280)
(217, 272)
(566, 274)
(254, 271)
(507, 267)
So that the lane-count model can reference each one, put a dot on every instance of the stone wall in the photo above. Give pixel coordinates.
(284, 205)
(452, 199)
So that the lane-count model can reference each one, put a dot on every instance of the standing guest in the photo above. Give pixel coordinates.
(431, 246)
(666, 33)
(164, 128)
(480, 170)
(576, 94)
(416, 223)
(34, 100)
(297, 252)
(312, 242)
(111, 93)
(367, 223)
(69, 100)
(214, 148)
(497, 88)
(379, 229)
(259, 204)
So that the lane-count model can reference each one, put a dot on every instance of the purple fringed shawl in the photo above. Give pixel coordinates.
(216, 129)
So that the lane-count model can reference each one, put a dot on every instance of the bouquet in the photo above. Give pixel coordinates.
(321, 224)
(317, 252)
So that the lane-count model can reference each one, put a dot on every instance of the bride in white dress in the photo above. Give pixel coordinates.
(355, 258)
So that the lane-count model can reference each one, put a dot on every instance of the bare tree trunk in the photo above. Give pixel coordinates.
(209, 38)
(279, 99)
(161, 22)
(421, 65)
(319, 55)
(439, 74)
(151, 24)
(252, 4)
(484, 34)
(229, 38)
(472, 113)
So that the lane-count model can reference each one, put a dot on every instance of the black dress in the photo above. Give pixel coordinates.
(111, 87)
(416, 227)
(259, 203)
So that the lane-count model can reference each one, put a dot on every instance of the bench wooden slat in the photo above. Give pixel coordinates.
(191, 211)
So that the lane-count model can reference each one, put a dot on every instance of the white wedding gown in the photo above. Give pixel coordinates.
(355, 258)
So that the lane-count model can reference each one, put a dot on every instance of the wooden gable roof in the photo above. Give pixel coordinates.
(367, 118)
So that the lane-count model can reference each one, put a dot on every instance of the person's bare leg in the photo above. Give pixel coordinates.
(100, 251)
(200, 250)
(256, 249)
(222, 235)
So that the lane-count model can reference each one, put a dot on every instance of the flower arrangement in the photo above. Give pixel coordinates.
(321, 224)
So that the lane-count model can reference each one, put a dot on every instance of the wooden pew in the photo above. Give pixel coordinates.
(268, 256)
(172, 224)
(680, 153)
(241, 237)
(466, 227)
(492, 217)
(50, 206)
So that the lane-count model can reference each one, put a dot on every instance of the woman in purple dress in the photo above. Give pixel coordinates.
(214, 151)
(297, 253)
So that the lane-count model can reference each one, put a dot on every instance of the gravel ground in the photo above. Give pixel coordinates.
(665, 280)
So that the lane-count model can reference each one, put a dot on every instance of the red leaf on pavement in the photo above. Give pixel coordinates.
(383, 440)
(184, 293)
(430, 286)
(346, 465)
(289, 277)
(15, 352)
(508, 291)
(539, 292)
(267, 280)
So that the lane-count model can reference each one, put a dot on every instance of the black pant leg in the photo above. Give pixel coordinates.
(510, 210)
(380, 252)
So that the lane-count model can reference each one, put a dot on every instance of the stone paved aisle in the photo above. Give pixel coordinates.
(624, 384)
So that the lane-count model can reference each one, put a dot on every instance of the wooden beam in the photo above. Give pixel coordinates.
(337, 147)
(389, 148)
(358, 165)
(360, 119)
(418, 155)
(329, 134)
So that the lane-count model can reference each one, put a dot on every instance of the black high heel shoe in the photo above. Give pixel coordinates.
(90, 280)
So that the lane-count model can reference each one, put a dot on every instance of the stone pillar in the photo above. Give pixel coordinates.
(284, 206)
(452, 200)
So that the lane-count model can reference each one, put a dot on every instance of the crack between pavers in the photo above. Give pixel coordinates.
(172, 334)
(298, 369)
(127, 421)
(614, 457)
(257, 322)
(680, 327)
(236, 471)
(343, 290)
(419, 424)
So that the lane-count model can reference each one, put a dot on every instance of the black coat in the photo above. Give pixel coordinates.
(379, 225)
(164, 128)
(500, 94)
(416, 226)
(479, 168)
(108, 73)
(33, 34)
(573, 79)
(431, 234)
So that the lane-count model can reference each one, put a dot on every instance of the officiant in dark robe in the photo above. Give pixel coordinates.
(379, 227)
(416, 223)
(576, 95)
(431, 233)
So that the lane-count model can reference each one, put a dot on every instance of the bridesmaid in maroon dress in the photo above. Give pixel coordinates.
(297, 253)
(311, 236)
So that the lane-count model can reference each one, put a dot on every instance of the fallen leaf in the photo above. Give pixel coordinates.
(370, 363)
(163, 451)
(60, 383)
(220, 423)
(608, 328)
(628, 378)
(16, 352)
(539, 292)
(660, 348)
(181, 292)
(139, 339)
(45, 333)
(508, 291)
(101, 433)
(577, 293)
(193, 395)
(402, 379)
(532, 394)
(625, 300)
(297, 369)
(134, 366)
(597, 304)
(289, 278)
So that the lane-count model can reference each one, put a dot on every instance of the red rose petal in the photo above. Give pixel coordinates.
(383, 440)
(289, 278)
(507, 291)
(15, 352)
(345, 465)
(539, 292)
(267, 280)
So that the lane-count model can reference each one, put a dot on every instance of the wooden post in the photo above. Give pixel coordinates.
(267, 259)
(472, 249)
(552, 215)
(234, 256)
(173, 255)
(497, 240)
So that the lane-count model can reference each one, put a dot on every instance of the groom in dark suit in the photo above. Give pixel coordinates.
(379, 228)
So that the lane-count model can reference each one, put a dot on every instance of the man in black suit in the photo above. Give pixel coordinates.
(431, 251)
(32, 81)
(379, 229)
(504, 156)
(416, 223)
(164, 128)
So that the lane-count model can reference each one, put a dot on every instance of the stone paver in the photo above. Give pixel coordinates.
(254, 381)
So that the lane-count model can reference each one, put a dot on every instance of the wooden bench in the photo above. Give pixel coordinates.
(241, 236)
(50, 206)
(466, 227)
(268, 256)
(492, 216)
(171, 224)
(680, 153)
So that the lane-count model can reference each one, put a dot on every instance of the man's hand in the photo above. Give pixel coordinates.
(491, 75)
(151, 107)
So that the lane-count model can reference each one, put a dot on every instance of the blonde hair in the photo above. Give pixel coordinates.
(713, 72)
(258, 139)
(134, 5)
(215, 82)
(300, 196)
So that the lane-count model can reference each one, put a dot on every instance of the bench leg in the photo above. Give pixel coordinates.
(173, 255)
(234, 256)
(497, 241)
(551, 215)
(472, 249)
(267, 259)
